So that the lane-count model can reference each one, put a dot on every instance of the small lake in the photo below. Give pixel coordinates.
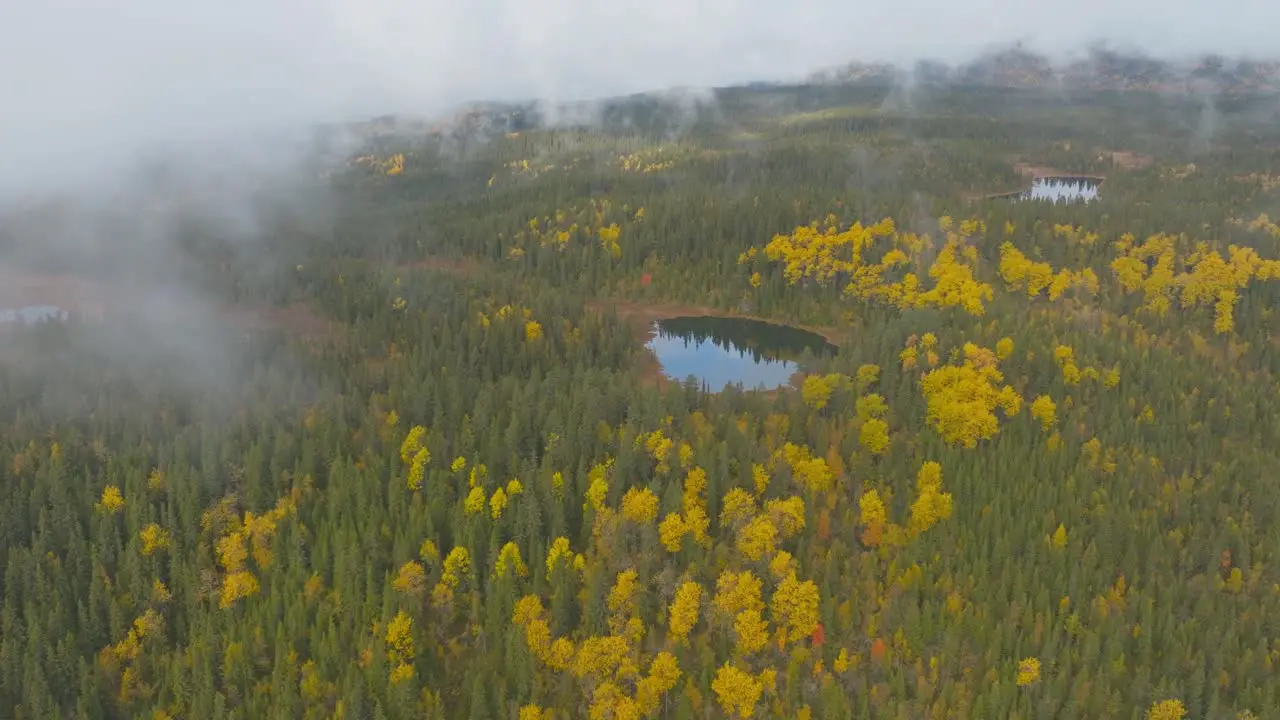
(720, 351)
(1061, 190)
(32, 314)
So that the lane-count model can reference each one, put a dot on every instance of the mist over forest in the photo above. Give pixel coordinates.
(569, 360)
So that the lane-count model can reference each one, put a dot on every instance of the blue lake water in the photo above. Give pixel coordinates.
(720, 351)
(32, 314)
(1062, 190)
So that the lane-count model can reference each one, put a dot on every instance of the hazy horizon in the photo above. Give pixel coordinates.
(90, 85)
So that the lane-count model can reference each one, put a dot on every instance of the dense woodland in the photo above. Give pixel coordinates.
(1035, 481)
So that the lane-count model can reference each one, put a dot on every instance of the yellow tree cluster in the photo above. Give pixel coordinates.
(962, 398)
(456, 569)
(738, 691)
(874, 518)
(931, 504)
(1022, 274)
(598, 220)
(1028, 671)
(1149, 267)
(533, 330)
(111, 502)
(739, 601)
(873, 434)
(649, 160)
(154, 539)
(410, 579)
(819, 255)
(813, 253)
(240, 537)
(400, 652)
(817, 389)
(793, 611)
(809, 472)
(390, 165)
(624, 617)
(756, 535)
(1046, 411)
(1167, 710)
(609, 668)
(693, 519)
(658, 446)
(910, 355)
(394, 164)
(475, 502)
(930, 507)
(1065, 357)
(683, 613)
(560, 553)
(122, 657)
(509, 561)
(1074, 235)
(1211, 279)
(640, 506)
(413, 452)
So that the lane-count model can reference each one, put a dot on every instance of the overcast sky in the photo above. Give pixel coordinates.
(84, 81)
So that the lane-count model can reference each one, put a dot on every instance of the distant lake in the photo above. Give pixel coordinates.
(1061, 189)
(720, 351)
(32, 314)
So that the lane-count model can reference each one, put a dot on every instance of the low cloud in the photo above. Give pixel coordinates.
(86, 84)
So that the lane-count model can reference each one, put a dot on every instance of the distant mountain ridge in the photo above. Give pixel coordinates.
(1102, 69)
(1015, 67)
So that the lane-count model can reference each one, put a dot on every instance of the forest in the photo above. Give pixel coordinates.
(433, 473)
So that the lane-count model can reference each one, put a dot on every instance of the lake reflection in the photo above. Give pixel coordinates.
(732, 351)
(1062, 189)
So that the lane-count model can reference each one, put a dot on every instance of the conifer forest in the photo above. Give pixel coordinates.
(427, 464)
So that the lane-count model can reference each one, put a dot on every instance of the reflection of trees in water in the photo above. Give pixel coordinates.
(764, 342)
(1063, 189)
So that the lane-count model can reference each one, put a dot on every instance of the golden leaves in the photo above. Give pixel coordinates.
(475, 500)
(671, 532)
(751, 632)
(818, 256)
(1058, 540)
(154, 539)
(931, 504)
(737, 691)
(497, 503)
(509, 560)
(235, 586)
(736, 592)
(400, 651)
(411, 578)
(412, 443)
(1021, 273)
(1028, 671)
(683, 613)
(794, 608)
(961, 399)
(1167, 710)
(1046, 411)
(816, 389)
(874, 436)
(111, 502)
(640, 505)
(874, 518)
(757, 538)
